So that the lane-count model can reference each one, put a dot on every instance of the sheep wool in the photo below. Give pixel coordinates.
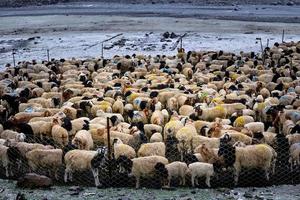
(152, 149)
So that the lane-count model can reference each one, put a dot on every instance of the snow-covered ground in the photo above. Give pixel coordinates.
(76, 30)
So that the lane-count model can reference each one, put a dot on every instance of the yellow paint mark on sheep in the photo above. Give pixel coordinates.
(217, 100)
(261, 106)
(240, 121)
(220, 109)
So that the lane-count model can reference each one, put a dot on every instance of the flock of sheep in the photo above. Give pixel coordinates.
(196, 114)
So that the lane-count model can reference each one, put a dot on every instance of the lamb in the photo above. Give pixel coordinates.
(177, 170)
(49, 159)
(80, 160)
(200, 169)
(152, 149)
(83, 140)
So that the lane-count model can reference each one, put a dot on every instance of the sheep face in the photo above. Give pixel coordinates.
(124, 164)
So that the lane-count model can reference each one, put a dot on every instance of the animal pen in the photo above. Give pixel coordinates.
(208, 142)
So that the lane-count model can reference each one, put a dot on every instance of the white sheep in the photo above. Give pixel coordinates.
(177, 170)
(121, 149)
(59, 134)
(294, 154)
(255, 127)
(152, 149)
(83, 140)
(9, 134)
(81, 160)
(156, 137)
(200, 169)
(145, 167)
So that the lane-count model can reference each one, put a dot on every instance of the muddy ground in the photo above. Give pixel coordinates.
(8, 191)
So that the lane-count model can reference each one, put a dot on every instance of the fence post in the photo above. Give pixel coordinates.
(282, 40)
(102, 48)
(109, 151)
(48, 55)
(13, 55)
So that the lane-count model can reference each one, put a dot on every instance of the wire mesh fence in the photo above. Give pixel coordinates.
(83, 123)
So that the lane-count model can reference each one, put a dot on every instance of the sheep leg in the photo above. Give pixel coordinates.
(6, 171)
(236, 175)
(56, 174)
(267, 174)
(96, 177)
(137, 184)
(196, 181)
(207, 181)
(193, 180)
(66, 177)
(183, 180)
(169, 182)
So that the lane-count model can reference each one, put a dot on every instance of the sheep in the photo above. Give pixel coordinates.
(83, 140)
(252, 156)
(177, 170)
(150, 129)
(25, 147)
(4, 159)
(121, 149)
(144, 167)
(78, 124)
(156, 137)
(293, 138)
(9, 134)
(294, 154)
(242, 120)
(185, 137)
(41, 128)
(80, 160)
(59, 134)
(200, 169)
(118, 106)
(157, 118)
(255, 127)
(49, 159)
(172, 127)
(152, 149)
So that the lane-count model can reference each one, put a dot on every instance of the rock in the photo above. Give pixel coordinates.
(235, 193)
(258, 197)
(166, 35)
(290, 3)
(33, 180)
(193, 192)
(248, 195)
(173, 35)
(76, 188)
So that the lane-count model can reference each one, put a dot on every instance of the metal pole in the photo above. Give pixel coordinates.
(13, 55)
(109, 150)
(282, 40)
(48, 55)
(181, 44)
(102, 48)
(268, 42)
